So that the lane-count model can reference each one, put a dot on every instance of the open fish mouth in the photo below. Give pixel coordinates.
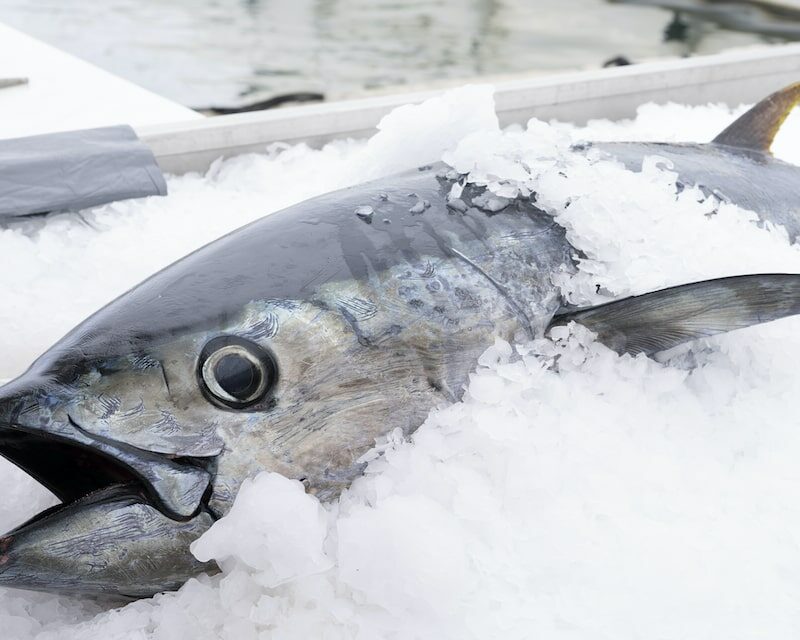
(70, 462)
(73, 470)
(126, 518)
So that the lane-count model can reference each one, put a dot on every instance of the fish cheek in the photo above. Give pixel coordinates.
(334, 398)
(313, 350)
(153, 407)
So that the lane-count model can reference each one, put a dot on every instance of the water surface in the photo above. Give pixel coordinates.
(230, 52)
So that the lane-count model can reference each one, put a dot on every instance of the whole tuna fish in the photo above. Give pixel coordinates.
(290, 345)
(737, 165)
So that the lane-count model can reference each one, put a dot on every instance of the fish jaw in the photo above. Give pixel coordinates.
(127, 515)
(109, 543)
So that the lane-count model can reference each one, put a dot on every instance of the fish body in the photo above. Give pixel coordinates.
(750, 179)
(371, 304)
(291, 345)
(737, 166)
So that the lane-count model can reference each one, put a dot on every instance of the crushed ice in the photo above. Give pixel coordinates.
(573, 493)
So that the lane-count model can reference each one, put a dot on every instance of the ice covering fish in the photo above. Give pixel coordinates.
(290, 345)
(736, 166)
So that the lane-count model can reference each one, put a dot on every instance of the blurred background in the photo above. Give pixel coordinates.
(221, 55)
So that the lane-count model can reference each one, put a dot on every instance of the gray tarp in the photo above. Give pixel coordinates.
(74, 170)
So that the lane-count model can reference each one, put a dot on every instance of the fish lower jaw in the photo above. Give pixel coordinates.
(131, 491)
(109, 537)
(111, 543)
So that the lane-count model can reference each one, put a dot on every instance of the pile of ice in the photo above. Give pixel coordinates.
(584, 496)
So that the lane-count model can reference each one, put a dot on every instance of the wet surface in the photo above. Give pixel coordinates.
(225, 53)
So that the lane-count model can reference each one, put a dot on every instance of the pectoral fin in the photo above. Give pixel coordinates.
(756, 129)
(663, 319)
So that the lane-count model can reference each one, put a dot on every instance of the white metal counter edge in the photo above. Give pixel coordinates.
(734, 78)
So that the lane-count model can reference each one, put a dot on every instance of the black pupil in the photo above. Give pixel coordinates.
(237, 376)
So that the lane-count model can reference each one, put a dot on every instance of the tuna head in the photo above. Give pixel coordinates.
(289, 345)
(146, 418)
(146, 448)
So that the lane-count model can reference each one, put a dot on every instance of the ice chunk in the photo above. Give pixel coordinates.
(275, 529)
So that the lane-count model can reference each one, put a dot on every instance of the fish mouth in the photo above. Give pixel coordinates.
(74, 467)
(39, 434)
(126, 519)
(70, 470)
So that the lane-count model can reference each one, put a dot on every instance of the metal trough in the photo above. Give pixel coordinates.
(733, 78)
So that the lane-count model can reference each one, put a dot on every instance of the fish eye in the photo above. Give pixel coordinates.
(236, 372)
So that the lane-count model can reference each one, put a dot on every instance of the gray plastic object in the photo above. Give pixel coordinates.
(74, 170)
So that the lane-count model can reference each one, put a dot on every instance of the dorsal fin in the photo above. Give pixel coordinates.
(664, 319)
(756, 129)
